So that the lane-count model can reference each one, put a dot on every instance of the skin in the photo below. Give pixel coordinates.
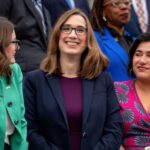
(11, 50)
(141, 68)
(117, 18)
(72, 44)
(141, 62)
(71, 47)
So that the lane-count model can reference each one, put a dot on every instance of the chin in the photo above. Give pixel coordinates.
(143, 77)
(12, 61)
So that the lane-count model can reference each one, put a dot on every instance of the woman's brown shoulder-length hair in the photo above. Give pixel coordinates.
(6, 30)
(93, 61)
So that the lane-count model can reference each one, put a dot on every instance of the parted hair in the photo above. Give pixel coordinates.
(93, 61)
(144, 37)
(6, 30)
(98, 22)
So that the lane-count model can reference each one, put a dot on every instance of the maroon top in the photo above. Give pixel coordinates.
(72, 92)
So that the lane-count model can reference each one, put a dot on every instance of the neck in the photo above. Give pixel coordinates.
(119, 29)
(143, 86)
(70, 66)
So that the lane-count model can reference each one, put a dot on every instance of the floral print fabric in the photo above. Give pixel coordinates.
(136, 121)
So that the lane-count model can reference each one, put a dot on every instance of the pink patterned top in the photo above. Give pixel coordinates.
(136, 128)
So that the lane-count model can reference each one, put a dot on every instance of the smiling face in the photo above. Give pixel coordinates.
(141, 61)
(10, 51)
(115, 15)
(73, 43)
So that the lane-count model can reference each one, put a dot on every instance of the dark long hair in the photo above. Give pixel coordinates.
(6, 30)
(97, 15)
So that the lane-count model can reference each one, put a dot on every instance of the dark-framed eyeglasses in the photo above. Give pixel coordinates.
(118, 3)
(17, 43)
(79, 30)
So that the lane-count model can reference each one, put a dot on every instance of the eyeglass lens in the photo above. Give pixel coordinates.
(68, 29)
(17, 43)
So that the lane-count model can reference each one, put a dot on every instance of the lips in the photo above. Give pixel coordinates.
(125, 15)
(72, 43)
(141, 68)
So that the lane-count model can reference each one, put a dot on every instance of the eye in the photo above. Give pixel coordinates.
(66, 29)
(138, 54)
(128, 3)
(80, 30)
(116, 4)
(148, 54)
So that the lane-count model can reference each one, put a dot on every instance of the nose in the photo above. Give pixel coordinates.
(143, 59)
(73, 33)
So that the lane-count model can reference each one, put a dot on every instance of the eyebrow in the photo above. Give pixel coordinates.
(75, 26)
(138, 50)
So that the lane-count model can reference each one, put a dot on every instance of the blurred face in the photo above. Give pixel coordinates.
(117, 12)
(11, 49)
(73, 38)
(141, 61)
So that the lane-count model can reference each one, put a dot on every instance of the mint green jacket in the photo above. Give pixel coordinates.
(11, 100)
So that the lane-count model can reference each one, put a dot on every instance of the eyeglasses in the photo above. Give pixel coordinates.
(79, 30)
(17, 43)
(119, 4)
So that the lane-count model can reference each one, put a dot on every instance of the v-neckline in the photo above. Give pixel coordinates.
(139, 100)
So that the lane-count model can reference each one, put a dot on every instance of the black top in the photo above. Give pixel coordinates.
(124, 40)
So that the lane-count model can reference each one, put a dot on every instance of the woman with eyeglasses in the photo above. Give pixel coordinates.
(12, 121)
(70, 101)
(109, 18)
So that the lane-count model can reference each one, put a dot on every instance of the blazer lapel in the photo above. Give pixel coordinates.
(47, 23)
(114, 46)
(135, 18)
(87, 99)
(148, 9)
(64, 3)
(36, 14)
(54, 83)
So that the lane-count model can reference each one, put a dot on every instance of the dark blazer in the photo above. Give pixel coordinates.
(57, 7)
(29, 31)
(47, 121)
(133, 26)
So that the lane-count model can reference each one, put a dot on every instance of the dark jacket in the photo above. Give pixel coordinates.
(133, 26)
(47, 121)
(57, 7)
(29, 31)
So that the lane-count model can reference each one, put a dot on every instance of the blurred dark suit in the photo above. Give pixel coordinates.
(133, 26)
(29, 31)
(58, 7)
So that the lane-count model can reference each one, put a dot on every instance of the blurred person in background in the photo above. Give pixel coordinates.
(134, 97)
(12, 122)
(75, 107)
(57, 7)
(32, 26)
(90, 3)
(109, 18)
(140, 17)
